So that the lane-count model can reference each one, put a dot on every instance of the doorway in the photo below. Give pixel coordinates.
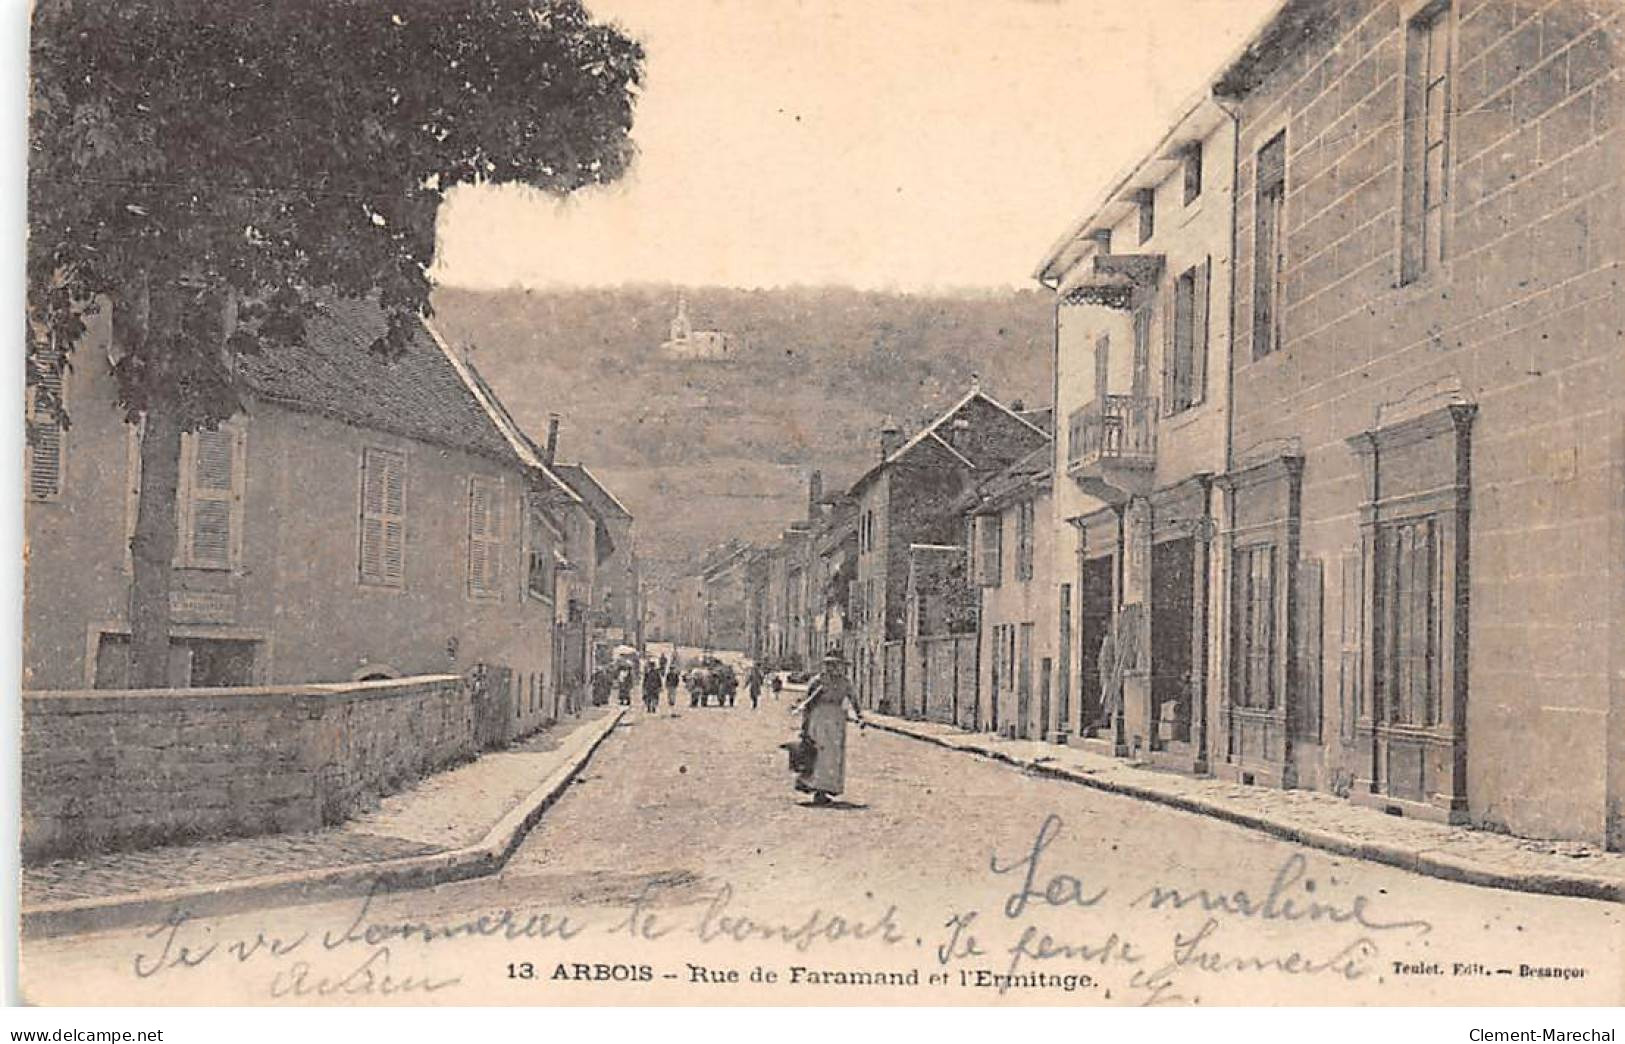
(1094, 620)
(1173, 601)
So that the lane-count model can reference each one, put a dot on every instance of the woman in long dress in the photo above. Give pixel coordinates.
(823, 722)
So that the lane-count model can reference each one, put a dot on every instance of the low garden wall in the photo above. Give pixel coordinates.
(119, 769)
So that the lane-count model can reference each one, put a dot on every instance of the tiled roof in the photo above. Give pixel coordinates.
(332, 372)
(929, 433)
(1028, 472)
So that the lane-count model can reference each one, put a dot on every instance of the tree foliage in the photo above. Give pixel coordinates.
(203, 166)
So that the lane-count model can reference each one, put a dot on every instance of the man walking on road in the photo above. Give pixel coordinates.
(754, 681)
(651, 687)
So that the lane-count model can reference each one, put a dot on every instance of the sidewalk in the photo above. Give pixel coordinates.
(456, 824)
(1311, 818)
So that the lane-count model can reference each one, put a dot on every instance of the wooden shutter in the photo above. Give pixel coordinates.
(1310, 586)
(484, 536)
(212, 467)
(1170, 348)
(1199, 333)
(45, 442)
(383, 517)
(1351, 642)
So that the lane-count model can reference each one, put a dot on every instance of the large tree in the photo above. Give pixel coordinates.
(205, 168)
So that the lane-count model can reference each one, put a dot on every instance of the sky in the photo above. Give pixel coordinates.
(911, 145)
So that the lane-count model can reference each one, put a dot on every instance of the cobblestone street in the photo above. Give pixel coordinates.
(682, 843)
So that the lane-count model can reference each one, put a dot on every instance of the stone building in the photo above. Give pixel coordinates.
(617, 605)
(687, 343)
(1427, 560)
(909, 497)
(1008, 553)
(1142, 385)
(1417, 567)
(360, 519)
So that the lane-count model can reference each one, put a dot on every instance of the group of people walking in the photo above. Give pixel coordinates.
(817, 755)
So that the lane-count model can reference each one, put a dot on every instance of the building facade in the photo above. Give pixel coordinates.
(1400, 470)
(911, 497)
(1428, 549)
(360, 519)
(1142, 392)
(1009, 552)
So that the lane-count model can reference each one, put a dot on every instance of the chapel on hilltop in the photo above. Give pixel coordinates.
(686, 342)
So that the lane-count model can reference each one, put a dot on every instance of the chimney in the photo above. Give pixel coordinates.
(815, 494)
(550, 454)
(890, 439)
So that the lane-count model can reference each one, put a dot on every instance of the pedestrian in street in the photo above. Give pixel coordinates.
(823, 728)
(626, 684)
(672, 678)
(778, 684)
(754, 682)
(730, 686)
(601, 684)
(651, 687)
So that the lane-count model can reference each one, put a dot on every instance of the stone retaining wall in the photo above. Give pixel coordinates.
(123, 769)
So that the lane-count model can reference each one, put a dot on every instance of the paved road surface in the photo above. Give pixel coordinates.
(684, 844)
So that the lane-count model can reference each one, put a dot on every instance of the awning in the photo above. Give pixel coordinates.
(1113, 278)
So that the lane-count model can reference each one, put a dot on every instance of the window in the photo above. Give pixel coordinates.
(1427, 139)
(1255, 627)
(989, 570)
(1024, 540)
(44, 460)
(1146, 199)
(209, 501)
(1407, 618)
(1193, 172)
(1184, 375)
(383, 517)
(541, 579)
(1269, 235)
(484, 536)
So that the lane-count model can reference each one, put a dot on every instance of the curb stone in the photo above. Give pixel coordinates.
(484, 857)
(1429, 862)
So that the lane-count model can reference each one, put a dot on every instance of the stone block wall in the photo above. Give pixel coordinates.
(1524, 316)
(108, 769)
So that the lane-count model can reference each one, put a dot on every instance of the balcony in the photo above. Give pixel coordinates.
(1112, 446)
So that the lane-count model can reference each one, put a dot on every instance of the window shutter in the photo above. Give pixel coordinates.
(1170, 347)
(1199, 332)
(383, 521)
(212, 499)
(484, 536)
(1351, 642)
(45, 443)
(479, 517)
(1310, 586)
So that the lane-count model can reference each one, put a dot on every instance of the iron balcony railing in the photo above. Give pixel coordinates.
(1119, 430)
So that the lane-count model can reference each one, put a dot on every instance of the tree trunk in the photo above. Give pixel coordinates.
(152, 550)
